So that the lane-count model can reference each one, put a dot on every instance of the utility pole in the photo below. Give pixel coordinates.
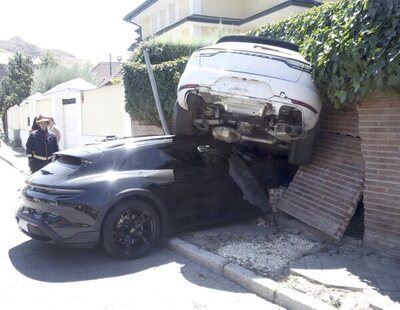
(152, 82)
(155, 92)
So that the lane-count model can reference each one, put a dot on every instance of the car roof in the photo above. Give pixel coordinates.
(87, 150)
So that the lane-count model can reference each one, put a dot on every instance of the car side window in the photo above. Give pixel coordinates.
(183, 156)
(159, 159)
(134, 161)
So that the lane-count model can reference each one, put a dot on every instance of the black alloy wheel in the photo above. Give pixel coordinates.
(130, 230)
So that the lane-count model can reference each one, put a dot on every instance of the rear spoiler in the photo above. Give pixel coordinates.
(260, 40)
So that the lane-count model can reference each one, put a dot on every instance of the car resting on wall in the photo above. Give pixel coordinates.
(253, 90)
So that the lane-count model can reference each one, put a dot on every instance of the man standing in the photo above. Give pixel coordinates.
(40, 146)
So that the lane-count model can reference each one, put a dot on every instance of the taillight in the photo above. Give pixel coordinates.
(186, 86)
(303, 104)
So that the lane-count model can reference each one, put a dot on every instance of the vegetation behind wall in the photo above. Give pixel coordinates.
(354, 46)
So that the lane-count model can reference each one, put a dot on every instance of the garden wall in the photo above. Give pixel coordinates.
(379, 127)
(325, 193)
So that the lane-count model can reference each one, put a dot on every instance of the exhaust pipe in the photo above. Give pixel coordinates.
(293, 131)
(230, 135)
(298, 131)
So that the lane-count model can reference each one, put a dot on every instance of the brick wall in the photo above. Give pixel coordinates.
(139, 129)
(344, 121)
(379, 127)
(325, 193)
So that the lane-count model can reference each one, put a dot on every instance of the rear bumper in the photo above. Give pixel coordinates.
(40, 228)
(255, 106)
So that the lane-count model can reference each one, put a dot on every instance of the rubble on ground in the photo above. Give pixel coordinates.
(269, 251)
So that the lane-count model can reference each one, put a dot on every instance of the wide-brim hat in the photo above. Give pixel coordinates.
(42, 120)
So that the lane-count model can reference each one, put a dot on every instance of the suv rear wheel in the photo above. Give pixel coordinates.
(301, 150)
(130, 230)
(182, 121)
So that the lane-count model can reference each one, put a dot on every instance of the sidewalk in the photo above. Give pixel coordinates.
(14, 156)
(295, 267)
(291, 265)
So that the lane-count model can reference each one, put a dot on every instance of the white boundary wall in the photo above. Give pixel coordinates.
(99, 113)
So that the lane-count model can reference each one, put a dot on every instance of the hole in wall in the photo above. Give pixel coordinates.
(355, 228)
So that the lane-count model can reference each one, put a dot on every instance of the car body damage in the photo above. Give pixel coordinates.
(249, 89)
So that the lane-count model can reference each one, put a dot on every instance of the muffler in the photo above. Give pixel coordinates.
(230, 135)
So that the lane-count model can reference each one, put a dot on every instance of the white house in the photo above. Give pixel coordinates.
(200, 18)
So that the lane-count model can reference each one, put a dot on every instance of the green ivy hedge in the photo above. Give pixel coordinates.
(160, 51)
(354, 46)
(140, 103)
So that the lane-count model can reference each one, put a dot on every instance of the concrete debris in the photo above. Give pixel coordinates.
(268, 256)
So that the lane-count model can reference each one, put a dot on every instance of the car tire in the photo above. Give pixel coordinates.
(182, 121)
(130, 230)
(301, 150)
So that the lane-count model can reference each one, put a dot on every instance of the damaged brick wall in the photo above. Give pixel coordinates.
(379, 127)
(343, 121)
(325, 193)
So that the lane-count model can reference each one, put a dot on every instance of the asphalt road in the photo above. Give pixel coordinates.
(43, 276)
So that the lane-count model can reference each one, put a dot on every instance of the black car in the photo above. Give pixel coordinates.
(126, 194)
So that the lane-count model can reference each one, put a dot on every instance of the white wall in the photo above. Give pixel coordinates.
(103, 112)
(96, 114)
(24, 114)
(13, 122)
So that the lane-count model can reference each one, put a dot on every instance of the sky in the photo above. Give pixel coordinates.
(87, 29)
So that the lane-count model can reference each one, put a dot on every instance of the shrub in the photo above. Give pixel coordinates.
(140, 103)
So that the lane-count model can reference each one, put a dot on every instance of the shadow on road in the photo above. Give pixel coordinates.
(50, 263)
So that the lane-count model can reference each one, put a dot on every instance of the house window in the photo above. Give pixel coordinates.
(69, 101)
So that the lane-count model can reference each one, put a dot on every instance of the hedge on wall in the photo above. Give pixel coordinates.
(168, 59)
(354, 46)
(140, 103)
(160, 51)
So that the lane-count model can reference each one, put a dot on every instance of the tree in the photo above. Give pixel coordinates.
(48, 60)
(16, 86)
(46, 77)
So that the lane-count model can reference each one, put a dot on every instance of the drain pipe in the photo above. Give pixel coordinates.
(153, 83)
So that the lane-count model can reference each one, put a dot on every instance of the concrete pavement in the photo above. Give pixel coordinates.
(361, 270)
(15, 157)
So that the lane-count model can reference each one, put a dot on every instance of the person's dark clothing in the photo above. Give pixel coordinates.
(40, 148)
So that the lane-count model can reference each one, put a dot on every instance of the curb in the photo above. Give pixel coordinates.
(12, 164)
(4, 155)
(263, 287)
(7, 161)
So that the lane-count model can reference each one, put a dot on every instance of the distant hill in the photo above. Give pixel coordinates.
(9, 47)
